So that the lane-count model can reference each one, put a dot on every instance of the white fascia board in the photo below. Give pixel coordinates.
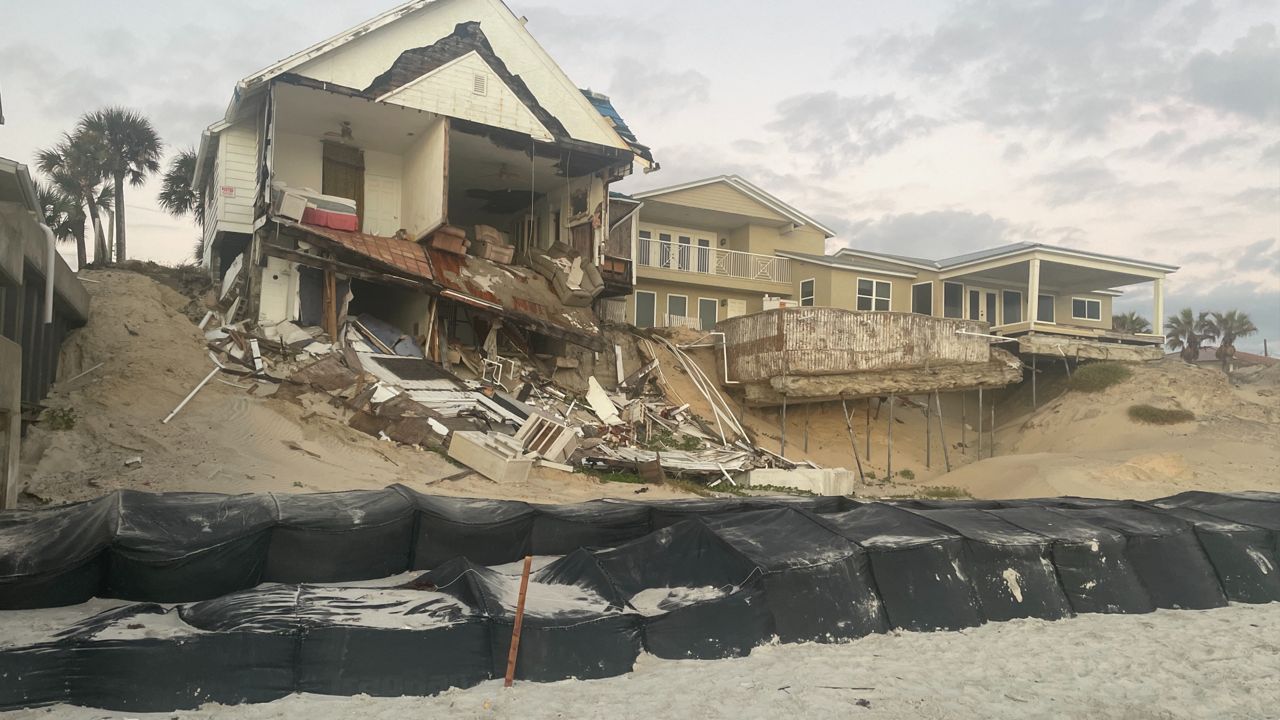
(882, 258)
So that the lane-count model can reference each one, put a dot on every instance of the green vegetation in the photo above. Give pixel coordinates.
(907, 474)
(666, 440)
(60, 418)
(779, 490)
(688, 486)
(939, 492)
(1152, 415)
(1096, 377)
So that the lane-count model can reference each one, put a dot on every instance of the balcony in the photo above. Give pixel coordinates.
(683, 257)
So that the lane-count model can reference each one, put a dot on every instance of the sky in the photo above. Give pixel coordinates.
(1142, 128)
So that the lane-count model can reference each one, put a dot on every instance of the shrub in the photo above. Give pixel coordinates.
(1152, 415)
(907, 474)
(943, 492)
(60, 418)
(1096, 377)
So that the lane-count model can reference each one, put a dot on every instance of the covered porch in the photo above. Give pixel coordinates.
(1057, 301)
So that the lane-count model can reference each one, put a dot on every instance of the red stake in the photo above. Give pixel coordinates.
(515, 630)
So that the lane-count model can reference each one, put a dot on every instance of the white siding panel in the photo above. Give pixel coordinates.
(450, 90)
(235, 173)
(423, 199)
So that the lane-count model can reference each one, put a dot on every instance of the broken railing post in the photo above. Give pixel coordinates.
(991, 446)
(1034, 404)
(853, 439)
(889, 452)
(190, 395)
(979, 423)
(928, 434)
(942, 432)
(519, 622)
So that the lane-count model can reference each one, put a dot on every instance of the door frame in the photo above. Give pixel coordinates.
(636, 304)
(983, 293)
(715, 304)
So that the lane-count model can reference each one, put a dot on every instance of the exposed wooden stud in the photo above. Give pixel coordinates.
(853, 440)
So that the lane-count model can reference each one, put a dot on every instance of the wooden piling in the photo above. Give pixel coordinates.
(519, 622)
(942, 433)
(889, 452)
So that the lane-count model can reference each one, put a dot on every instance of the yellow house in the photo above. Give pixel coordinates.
(712, 249)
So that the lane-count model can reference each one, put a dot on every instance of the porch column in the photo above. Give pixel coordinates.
(1033, 290)
(1157, 322)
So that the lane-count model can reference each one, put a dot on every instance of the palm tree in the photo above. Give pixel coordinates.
(73, 167)
(129, 147)
(178, 195)
(60, 212)
(1185, 331)
(1229, 326)
(1131, 323)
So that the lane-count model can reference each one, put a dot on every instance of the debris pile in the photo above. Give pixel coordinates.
(501, 414)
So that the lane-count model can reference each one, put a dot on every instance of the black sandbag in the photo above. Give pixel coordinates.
(916, 564)
(717, 606)
(34, 676)
(1243, 556)
(180, 672)
(820, 504)
(728, 626)
(1166, 554)
(55, 556)
(341, 536)
(561, 529)
(1259, 509)
(581, 567)
(568, 631)
(1093, 569)
(489, 532)
(1009, 567)
(389, 642)
(181, 547)
(665, 513)
(928, 504)
(817, 583)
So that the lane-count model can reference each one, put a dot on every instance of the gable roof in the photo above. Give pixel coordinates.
(605, 107)
(746, 188)
(996, 253)
(843, 263)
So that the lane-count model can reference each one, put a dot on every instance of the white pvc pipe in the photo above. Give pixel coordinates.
(49, 267)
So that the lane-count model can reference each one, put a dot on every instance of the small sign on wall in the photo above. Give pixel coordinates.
(228, 191)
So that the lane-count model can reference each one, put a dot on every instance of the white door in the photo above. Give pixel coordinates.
(381, 205)
(982, 305)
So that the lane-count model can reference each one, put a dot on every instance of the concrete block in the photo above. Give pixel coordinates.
(827, 481)
(486, 454)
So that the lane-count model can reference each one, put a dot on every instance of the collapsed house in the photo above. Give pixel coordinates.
(432, 167)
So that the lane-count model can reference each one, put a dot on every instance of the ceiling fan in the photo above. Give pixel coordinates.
(343, 134)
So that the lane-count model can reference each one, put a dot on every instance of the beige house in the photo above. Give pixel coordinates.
(718, 248)
(710, 250)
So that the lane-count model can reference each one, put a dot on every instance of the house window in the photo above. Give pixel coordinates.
(975, 304)
(664, 250)
(646, 308)
(1011, 306)
(808, 288)
(873, 295)
(922, 298)
(677, 307)
(1086, 309)
(708, 311)
(952, 300)
(685, 242)
(1044, 308)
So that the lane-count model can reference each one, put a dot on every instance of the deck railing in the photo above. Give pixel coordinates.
(685, 257)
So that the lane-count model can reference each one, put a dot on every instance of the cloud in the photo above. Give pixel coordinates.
(640, 83)
(1092, 180)
(1266, 198)
(935, 234)
(1241, 80)
(1210, 149)
(839, 129)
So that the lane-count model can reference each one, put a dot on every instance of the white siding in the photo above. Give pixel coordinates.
(234, 174)
(382, 203)
(358, 62)
(451, 90)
